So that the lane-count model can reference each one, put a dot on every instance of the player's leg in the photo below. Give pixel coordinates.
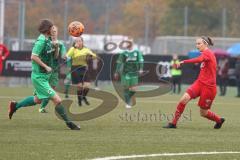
(206, 98)
(225, 86)
(179, 84)
(77, 79)
(60, 109)
(125, 83)
(79, 93)
(26, 102)
(174, 84)
(207, 113)
(132, 92)
(192, 92)
(67, 83)
(86, 86)
(179, 110)
(44, 103)
(221, 86)
(53, 81)
(238, 87)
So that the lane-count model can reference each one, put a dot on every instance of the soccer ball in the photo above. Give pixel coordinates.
(75, 28)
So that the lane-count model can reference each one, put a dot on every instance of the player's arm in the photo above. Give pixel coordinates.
(70, 52)
(62, 50)
(36, 51)
(94, 55)
(119, 64)
(35, 58)
(199, 59)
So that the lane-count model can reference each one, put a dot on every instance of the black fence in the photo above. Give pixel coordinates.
(18, 64)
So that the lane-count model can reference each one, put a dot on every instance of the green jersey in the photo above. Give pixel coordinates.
(130, 61)
(44, 50)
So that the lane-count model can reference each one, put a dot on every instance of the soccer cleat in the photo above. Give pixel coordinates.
(72, 126)
(128, 106)
(170, 125)
(86, 101)
(219, 125)
(11, 109)
(42, 110)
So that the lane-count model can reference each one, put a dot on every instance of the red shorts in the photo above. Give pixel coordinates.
(206, 94)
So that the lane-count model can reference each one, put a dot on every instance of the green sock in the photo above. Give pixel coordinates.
(131, 93)
(66, 89)
(127, 96)
(29, 101)
(44, 103)
(61, 111)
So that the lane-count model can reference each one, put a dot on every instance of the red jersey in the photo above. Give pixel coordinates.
(208, 67)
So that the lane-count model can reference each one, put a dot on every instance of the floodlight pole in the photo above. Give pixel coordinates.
(186, 21)
(106, 27)
(146, 31)
(21, 24)
(65, 20)
(2, 3)
(224, 20)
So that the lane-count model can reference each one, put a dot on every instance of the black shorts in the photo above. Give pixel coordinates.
(79, 74)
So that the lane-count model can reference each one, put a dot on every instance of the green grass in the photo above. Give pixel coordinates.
(31, 135)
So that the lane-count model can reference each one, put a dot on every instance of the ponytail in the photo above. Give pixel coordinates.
(207, 40)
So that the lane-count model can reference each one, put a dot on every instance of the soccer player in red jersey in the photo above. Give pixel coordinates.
(4, 53)
(204, 87)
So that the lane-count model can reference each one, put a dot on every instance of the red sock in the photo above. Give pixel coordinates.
(213, 117)
(178, 112)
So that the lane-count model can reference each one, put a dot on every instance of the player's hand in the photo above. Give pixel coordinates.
(178, 65)
(116, 76)
(140, 72)
(48, 69)
(3, 58)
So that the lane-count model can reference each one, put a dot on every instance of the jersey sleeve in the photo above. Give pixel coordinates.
(62, 49)
(70, 52)
(38, 47)
(199, 59)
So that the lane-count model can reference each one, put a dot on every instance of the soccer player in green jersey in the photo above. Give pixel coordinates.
(129, 67)
(42, 60)
(58, 50)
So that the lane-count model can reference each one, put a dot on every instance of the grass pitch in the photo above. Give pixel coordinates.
(32, 135)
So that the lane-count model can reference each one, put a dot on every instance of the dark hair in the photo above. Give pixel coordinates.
(45, 26)
(207, 40)
(73, 45)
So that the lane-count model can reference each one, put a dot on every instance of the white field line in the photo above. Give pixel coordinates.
(164, 155)
(155, 101)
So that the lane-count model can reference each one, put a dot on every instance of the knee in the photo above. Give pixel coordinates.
(132, 89)
(184, 100)
(57, 100)
(37, 101)
(203, 113)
